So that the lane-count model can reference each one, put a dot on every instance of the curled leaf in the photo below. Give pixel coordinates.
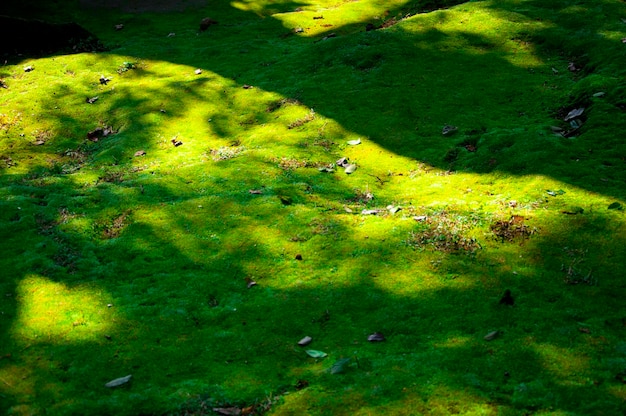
(350, 168)
(376, 337)
(316, 354)
(339, 366)
(492, 335)
(228, 411)
(449, 130)
(305, 341)
(343, 162)
(119, 381)
(574, 113)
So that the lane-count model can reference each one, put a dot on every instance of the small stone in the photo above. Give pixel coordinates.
(197, 71)
(28, 68)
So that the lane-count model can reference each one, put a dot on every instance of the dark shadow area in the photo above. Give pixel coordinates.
(27, 38)
(517, 372)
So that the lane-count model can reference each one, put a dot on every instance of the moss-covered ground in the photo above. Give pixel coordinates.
(194, 222)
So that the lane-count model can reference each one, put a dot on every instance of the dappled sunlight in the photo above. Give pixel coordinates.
(51, 312)
(568, 366)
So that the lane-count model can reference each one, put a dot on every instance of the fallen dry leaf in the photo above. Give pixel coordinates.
(140, 153)
(118, 381)
(492, 335)
(305, 341)
(376, 337)
(206, 22)
(449, 130)
(574, 113)
(228, 411)
(255, 191)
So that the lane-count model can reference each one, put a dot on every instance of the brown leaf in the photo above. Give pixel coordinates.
(302, 384)
(206, 22)
(376, 337)
(247, 410)
(228, 411)
(255, 191)
(140, 153)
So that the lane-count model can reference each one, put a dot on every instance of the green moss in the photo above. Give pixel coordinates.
(197, 267)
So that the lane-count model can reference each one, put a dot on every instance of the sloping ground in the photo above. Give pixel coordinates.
(178, 210)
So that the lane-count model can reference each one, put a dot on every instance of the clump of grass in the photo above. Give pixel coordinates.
(289, 164)
(512, 229)
(574, 272)
(227, 152)
(445, 232)
(112, 227)
(302, 121)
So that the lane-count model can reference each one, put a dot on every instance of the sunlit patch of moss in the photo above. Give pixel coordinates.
(52, 312)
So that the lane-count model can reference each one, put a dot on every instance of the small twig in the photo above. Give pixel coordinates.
(377, 178)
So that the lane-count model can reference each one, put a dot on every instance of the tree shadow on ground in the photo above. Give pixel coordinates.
(419, 314)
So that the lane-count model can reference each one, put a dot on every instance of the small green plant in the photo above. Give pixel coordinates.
(126, 66)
